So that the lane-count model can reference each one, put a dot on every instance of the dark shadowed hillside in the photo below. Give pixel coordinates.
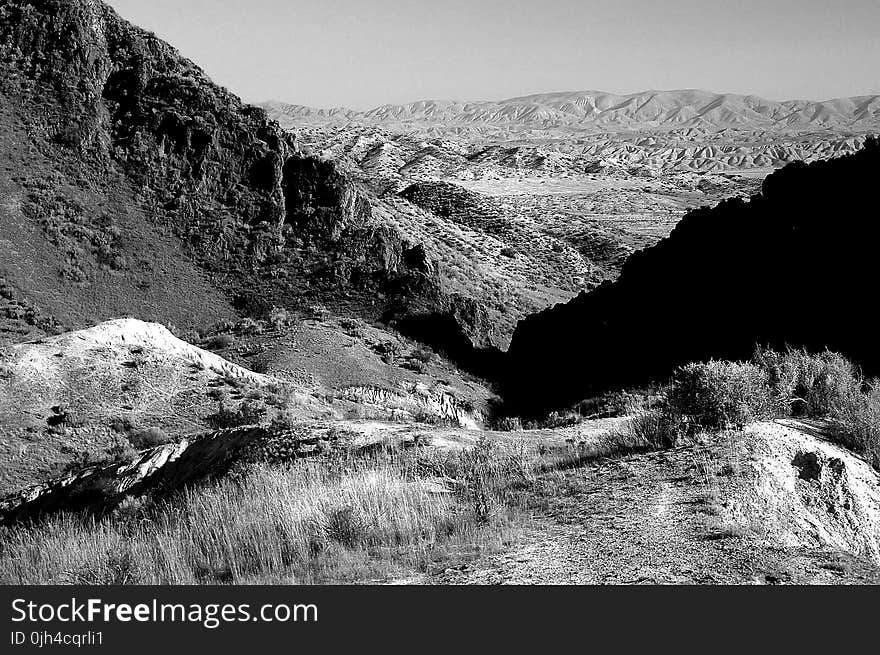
(796, 265)
(131, 184)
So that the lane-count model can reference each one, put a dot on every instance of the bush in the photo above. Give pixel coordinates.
(609, 404)
(655, 428)
(118, 452)
(248, 325)
(248, 413)
(508, 424)
(284, 420)
(219, 341)
(389, 351)
(857, 422)
(487, 473)
(416, 365)
(808, 385)
(280, 318)
(317, 312)
(423, 355)
(149, 438)
(121, 424)
(555, 420)
(718, 395)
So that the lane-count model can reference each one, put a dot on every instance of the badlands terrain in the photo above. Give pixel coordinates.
(338, 348)
(565, 186)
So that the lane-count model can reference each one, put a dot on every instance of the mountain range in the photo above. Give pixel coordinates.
(600, 110)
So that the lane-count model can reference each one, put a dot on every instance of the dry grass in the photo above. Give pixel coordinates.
(350, 520)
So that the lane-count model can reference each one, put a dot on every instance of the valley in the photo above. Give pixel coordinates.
(557, 190)
(568, 338)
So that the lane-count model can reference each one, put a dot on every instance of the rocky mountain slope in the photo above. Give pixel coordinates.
(134, 185)
(792, 266)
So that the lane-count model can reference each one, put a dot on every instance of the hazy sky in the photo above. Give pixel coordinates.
(363, 53)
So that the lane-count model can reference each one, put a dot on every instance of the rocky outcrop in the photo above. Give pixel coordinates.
(800, 490)
(117, 94)
(415, 402)
(793, 266)
(101, 487)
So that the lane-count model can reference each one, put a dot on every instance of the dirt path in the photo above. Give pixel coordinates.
(646, 519)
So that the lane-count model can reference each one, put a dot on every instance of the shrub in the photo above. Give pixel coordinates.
(857, 422)
(346, 526)
(808, 385)
(317, 312)
(416, 365)
(280, 395)
(248, 413)
(284, 420)
(121, 424)
(656, 428)
(219, 341)
(609, 404)
(833, 384)
(149, 438)
(248, 325)
(280, 318)
(118, 452)
(389, 351)
(555, 420)
(423, 355)
(718, 395)
(484, 472)
(508, 424)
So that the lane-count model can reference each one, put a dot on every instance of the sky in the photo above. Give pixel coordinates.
(365, 53)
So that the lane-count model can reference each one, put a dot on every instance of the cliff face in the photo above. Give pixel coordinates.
(794, 266)
(113, 93)
(128, 167)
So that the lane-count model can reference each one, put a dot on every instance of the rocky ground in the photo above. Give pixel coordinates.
(773, 504)
(690, 516)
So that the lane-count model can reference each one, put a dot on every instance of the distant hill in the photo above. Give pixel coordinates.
(585, 109)
(653, 131)
(794, 266)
